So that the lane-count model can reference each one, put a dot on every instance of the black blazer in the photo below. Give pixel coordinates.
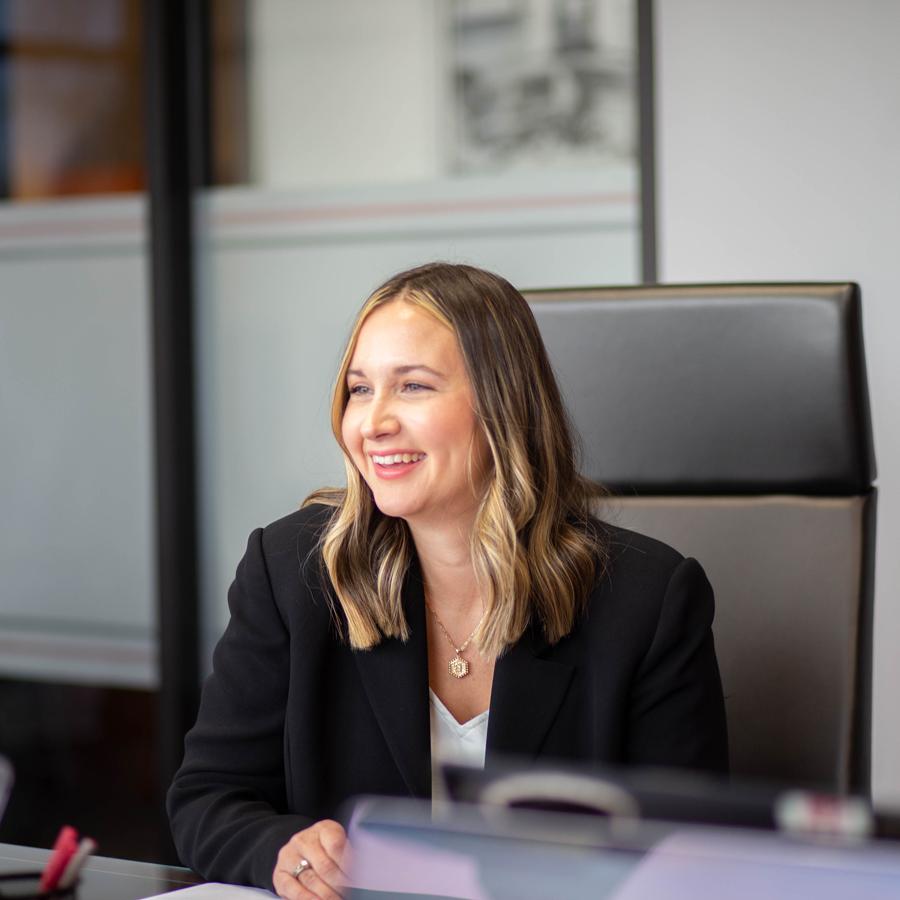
(293, 722)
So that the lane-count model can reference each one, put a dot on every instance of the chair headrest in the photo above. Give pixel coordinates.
(741, 388)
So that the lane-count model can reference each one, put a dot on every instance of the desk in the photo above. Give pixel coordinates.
(104, 878)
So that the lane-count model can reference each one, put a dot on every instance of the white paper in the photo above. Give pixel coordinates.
(701, 864)
(214, 891)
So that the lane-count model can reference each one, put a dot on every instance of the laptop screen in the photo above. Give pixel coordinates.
(404, 849)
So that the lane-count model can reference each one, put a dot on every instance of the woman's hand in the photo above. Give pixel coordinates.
(323, 846)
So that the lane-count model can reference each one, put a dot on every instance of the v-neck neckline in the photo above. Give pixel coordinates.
(461, 727)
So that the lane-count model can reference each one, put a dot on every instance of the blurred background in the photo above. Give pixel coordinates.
(197, 196)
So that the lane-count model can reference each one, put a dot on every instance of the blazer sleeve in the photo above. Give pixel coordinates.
(677, 713)
(227, 803)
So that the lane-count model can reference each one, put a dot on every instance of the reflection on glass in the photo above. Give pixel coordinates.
(308, 94)
(73, 120)
(542, 83)
(78, 652)
(367, 137)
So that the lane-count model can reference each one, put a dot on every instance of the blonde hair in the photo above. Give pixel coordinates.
(535, 549)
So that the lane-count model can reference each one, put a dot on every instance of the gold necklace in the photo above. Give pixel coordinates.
(457, 666)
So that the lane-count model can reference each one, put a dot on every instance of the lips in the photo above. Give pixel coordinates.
(395, 464)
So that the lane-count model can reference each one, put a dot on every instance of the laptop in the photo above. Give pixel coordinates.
(408, 850)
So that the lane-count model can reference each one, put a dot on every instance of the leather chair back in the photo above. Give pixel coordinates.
(732, 422)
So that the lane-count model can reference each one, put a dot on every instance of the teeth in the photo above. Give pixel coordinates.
(394, 458)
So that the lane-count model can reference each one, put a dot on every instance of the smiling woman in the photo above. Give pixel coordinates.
(409, 422)
(455, 600)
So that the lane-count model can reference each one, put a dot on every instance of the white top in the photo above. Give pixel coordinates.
(454, 742)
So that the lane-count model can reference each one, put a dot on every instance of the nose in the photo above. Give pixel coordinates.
(380, 420)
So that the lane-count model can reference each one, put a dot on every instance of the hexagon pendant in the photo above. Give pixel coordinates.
(458, 667)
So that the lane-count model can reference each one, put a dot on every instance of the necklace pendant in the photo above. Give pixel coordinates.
(458, 667)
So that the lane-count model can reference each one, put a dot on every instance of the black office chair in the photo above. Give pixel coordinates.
(732, 422)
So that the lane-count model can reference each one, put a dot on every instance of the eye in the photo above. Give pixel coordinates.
(413, 387)
(358, 389)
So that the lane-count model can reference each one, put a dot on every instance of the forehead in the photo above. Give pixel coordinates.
(400, 333)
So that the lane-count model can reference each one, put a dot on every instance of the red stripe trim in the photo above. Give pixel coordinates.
(35, 648)
(443, 207)
(330, 213)
(78, 228)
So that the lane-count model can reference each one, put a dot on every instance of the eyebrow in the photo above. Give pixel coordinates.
(400, 370)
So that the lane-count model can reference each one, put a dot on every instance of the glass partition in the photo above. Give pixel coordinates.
(78, 652)
(380, 136)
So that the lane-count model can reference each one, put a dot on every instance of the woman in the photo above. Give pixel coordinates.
(455, 599)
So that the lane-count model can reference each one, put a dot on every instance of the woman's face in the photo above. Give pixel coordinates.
(409, 423)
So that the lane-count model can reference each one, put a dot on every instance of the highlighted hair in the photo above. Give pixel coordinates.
(535, 548)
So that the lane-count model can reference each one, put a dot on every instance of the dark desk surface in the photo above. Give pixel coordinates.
(104, 878)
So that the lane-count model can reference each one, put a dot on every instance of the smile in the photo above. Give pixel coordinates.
(394, 458)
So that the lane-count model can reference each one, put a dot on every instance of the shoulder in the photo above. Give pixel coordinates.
(285, 556)
(299, 531)
(629, 554)
(642, 575)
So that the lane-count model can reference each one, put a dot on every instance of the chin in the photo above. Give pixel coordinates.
(394, 507)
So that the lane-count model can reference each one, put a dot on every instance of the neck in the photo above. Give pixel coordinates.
(446, 560)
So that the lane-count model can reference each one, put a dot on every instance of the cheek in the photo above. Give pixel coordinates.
(443, 430)
(462, 432)
(350, 432)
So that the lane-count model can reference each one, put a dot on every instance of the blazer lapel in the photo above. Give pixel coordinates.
(526, 694)
(395, 676)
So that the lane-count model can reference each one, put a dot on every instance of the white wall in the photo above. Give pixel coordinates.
(779, 140)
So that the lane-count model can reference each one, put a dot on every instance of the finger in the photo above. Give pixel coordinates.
(311, 881)
(283, 881)
(324, 874)
(323, 878)
(333, 840)
(322, 845)
(289, 887)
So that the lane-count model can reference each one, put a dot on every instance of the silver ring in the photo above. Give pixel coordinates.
(301, 867)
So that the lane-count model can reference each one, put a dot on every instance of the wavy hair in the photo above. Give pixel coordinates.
(535, 548)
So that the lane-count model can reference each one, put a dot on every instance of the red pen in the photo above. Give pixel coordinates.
(63, 850)
(85, 848)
